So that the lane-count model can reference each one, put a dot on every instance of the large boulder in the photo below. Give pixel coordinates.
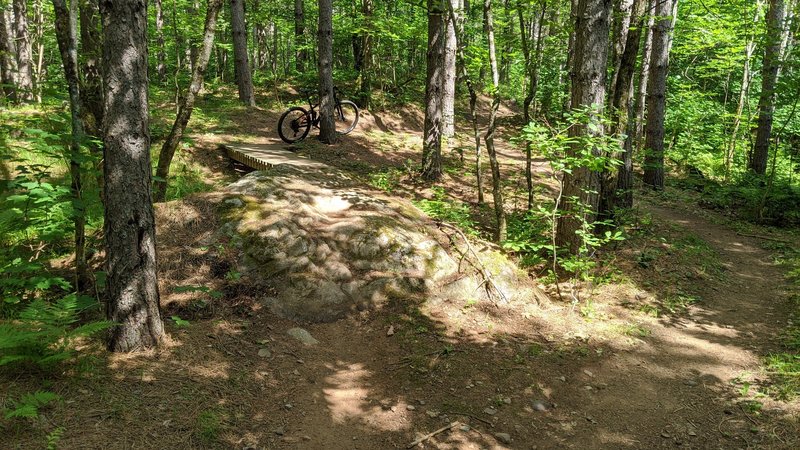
(330, 246)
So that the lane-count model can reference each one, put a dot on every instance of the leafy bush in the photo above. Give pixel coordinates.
(448, 210)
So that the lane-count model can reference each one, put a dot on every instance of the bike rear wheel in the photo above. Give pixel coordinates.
(346, 116)
(294, 125)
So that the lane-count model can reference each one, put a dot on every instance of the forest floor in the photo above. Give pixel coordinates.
(664, 347)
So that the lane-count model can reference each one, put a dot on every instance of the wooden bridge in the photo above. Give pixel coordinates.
(265, 156)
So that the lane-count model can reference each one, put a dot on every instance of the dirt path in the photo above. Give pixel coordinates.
(677, 388)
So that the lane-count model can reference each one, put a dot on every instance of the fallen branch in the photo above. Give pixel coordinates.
(478, 264)
(430, 435)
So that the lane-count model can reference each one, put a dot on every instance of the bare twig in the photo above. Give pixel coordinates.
(478, 264)
(430, 435)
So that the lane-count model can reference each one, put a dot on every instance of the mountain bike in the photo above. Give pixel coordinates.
(296, 122)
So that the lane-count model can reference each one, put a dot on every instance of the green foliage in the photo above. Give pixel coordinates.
(447, 210)
(29, 404)
(45, 333)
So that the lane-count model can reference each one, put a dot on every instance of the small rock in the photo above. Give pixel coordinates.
(692, 433)
(465, 428)
(264, 353)
(422, 402)
(390, 331)
(302, 336)
(288, 406)
(505, 438)
(563, 378)
(539, 406)
(665, 435)
(490, 411)
(296, 372)
(690, 383)
(507, 401)
(589, 373)
(280, 431)
(306, 437)
(235, 202)
(588, 388)
(410, 407)
(432, 414)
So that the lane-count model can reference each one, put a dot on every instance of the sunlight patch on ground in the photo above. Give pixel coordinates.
(348, 400)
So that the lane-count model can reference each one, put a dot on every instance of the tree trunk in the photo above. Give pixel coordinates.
(622, 22)
(327, 124)
(91, 82)
(244, 78)
(24, 61)
(657, 97)
(187, 104)
(8, 55)
(130, 235)
(449, 88)
(644, 74)
(769, 79)
(622, 108)
(38, 41)
(570, 63)
(578, 204)
(299, 39)
(365, 69)
(432, 131)
(66, 34)
(497, 190)
(532, 62)
(749, 48)
(161, 55)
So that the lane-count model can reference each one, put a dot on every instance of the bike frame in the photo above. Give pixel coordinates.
(313, 108)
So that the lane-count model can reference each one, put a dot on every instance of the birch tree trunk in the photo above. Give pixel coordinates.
(129, 229)
(449, 89)
(644, 74)
(657, 96)
(769, 79)
(66, 25)
(187, 103)
(161, 55)
(432, 128)
(327, 124)
(8, 52)
(24, 60)
(578, 198)
(241, 66)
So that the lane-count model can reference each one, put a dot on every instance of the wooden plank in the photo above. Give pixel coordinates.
(265, 156)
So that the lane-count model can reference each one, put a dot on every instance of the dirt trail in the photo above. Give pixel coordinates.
(676, 388)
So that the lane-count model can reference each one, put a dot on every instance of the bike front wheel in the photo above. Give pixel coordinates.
(294, 125)
(346, 116)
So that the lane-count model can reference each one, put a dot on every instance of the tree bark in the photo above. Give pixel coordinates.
(497, 189)
(449, 88)
(579, 199)
(644, 74)
(327, 124)
(657, 96)
(129, 229)
(365, 68)
(622, 22)
(769, 79)
(24, 61)
(187, 103)
(66, 34)
(299, 39)
(8, 55)
(432, 128)
(241, 66)
(532, 62)
(91, 82)
(161, 55)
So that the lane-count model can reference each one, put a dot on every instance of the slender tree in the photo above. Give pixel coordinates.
(449, 87)
(161, 52)
(187, 103)
(24, 54)
(299, 35)
(644, 74)
(432, 131)
(365, 50)
(657, 95)
(327, 124)
(769, 79)
(497, 189)
(129, 227)
(91, 87)
(66, 25)
(8, 52)
(241, 65)
(578, 204)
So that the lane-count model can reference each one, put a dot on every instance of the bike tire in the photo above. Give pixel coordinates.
(296, 131)
(346, 117)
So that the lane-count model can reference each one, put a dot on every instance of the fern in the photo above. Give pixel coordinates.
(28, 405)
(45, 333)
